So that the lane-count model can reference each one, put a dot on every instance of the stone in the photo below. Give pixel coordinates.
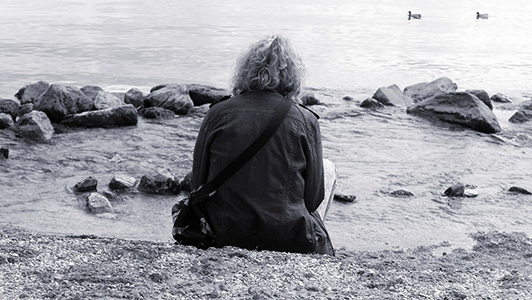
(184, 185)
(97, 203)
(59, 101)
(470, 193)
(500, 98)
(308, 99)
(35, 125)
(456, 190)
(371, 103)
(392, 96)
(344, 198)
(6, 121)
(135, 97)
(158, 113)
(88, 184)
(100, 98)
(122, 182)
(10, 107)
(519, 190)
(125, 115)
(24, 109)
(421, 91)
(524, 114)
(159, 184)
(198, 111)
(458, 108)
(31, 92)
(203, 94)
(402, 193)
(348, 98)
(483, 96)
(173, 97)
(4, 153)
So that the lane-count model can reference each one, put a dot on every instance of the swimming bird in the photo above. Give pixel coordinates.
(481, 16)
(413, 16)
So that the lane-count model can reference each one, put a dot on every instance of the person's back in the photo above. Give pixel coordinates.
(271, 202)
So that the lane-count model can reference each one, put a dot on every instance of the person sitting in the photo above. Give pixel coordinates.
(278, 200)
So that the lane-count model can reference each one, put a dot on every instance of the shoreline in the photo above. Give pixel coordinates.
(42, 266)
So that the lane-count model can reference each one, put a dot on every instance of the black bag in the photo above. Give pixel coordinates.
(191, 226)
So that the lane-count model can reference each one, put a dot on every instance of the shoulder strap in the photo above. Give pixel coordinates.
(280, 113)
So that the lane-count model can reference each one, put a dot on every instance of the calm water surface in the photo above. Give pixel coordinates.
(350, 49)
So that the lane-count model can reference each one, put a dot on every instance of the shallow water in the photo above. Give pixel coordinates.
(350, 49)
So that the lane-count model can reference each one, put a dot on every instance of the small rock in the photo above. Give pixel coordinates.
(392, 96)
(348, 98)
(519, 190)
(184, 185)
(122, 182)
(308, 99)
(501, 98)
(89, 184)
(135, 97)
(98, 203)
(456, 190)
(159, 184)
(470, 193)
(402, 193)
(158, 113)
(198, 111)
(371, 103)
(4, 152)
(344, 198)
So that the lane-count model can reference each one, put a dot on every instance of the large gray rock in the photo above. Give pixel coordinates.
(158, 113)
(59, 101)
(371, 103)
(35, 125)
(100, 98)
(458, 108)
(10, 107)
(6, 121)
(421, 91)
(31, 92)
(173, 97)
(125, 115)
(524, 114)
(392, 96)
(202, 94)
(135, 97)
(483, 96)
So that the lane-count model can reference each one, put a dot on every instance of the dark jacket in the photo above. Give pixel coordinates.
(271, 202)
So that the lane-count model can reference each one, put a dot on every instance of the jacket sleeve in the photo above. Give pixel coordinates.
(314, 177)
(200, 164)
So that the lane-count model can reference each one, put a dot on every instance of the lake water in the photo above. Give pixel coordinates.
(349, 49)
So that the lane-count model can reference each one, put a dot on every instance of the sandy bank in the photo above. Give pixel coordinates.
(37, 266)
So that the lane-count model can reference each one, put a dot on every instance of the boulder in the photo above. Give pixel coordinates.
(157, 113)
(173, 97)
(458, 108)
(202, 94)
(198, 111)
(100, 98)
(125, 115)
(35, 125)
(31, 92)
(421, 91)
(24, 109)
(392, 96)
(88, 184)
(524, 114)
(122, 182)
(6, 121)
(10, 107)
(483, 96)
(159, 184)
(456, 190)
(519, 190)
(501, 98)
(97, 203)
(308, 99)
(59, 101)
(135, 97)
(371, 103)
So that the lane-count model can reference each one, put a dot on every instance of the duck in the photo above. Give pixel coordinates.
(481, 16)
(413, 16)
